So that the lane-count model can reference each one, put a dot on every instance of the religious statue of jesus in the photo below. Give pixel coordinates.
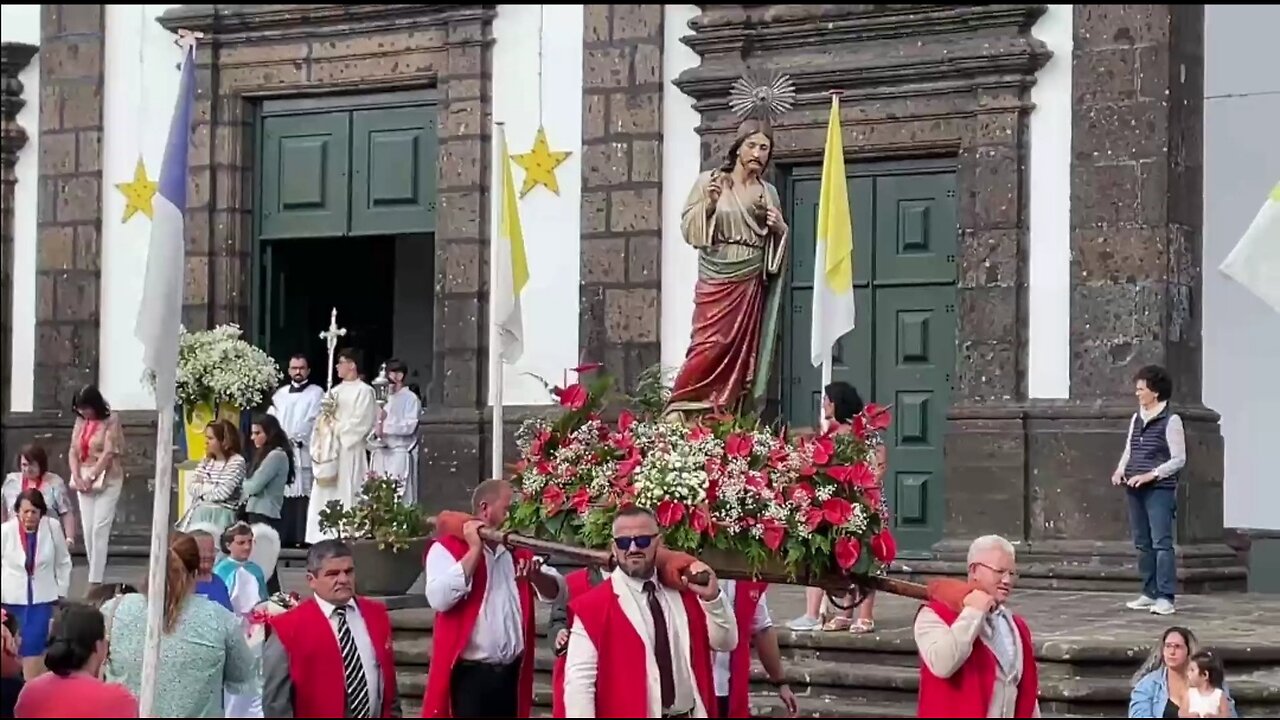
(734, 219)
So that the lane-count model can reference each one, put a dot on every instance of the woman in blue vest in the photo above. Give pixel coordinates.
(1154, 455)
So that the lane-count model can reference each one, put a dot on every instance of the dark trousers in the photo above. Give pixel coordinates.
(484, 690)
(1151, 514)
(273, 584)
(722, 701)
(293, 522)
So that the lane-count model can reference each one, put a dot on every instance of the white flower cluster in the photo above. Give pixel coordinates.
(217, 366)
(671, 466)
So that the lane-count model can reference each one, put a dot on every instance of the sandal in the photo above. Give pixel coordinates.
(838, 623)
(862, 626)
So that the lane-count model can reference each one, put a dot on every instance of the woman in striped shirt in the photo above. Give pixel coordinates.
(216, 489)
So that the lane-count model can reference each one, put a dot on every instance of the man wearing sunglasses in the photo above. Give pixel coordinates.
(638, 648)
(482, 642)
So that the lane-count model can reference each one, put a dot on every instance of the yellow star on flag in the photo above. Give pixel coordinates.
(540, 164)
(138, 193)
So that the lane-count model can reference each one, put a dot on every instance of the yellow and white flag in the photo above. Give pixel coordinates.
(833, 309)
(1255, 260)
(511, 267)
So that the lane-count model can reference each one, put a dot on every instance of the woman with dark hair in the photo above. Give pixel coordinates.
(97, 442)
(35, 572)
(33, 473)
(1154, 455)
(1160, 688)
(72, 688)
(734, 219)
(202, 644)
(271, 472)
(216, 490)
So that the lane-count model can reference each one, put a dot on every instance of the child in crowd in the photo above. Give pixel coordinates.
(247, 586)
(1205, 698)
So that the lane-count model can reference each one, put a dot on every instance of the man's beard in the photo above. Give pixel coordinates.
(641, 569)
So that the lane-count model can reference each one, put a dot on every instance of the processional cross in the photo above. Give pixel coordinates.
(330, 336)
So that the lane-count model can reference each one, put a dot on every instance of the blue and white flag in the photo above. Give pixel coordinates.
(1255, 260)
(160, 315)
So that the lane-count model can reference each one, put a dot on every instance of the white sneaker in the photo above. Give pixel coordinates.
(1142, 603)
(804, 623)
(1163, 606)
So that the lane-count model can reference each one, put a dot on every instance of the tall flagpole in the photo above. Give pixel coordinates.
(495, 354)
(159, 564)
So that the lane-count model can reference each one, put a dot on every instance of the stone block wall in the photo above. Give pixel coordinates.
(621, 187)
(69, 247)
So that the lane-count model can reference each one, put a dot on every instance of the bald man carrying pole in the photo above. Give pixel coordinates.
(482, 644)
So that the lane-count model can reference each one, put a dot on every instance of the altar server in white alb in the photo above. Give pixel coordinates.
(398, 427)
(339, 461)
(296, 406)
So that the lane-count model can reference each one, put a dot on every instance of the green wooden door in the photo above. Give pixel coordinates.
(393, 160)
(902, 351)
(305, 175)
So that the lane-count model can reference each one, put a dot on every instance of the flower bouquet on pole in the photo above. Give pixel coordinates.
(748, 500)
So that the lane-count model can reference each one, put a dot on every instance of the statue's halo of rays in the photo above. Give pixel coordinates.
(767, 101)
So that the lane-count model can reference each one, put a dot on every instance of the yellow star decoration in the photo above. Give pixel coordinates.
(138, 194)
(540, 164)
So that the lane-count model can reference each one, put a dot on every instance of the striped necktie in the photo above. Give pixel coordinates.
(352, 669)
(1003, 638)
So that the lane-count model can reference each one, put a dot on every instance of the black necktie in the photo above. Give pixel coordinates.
(357, 688)
(661, 646)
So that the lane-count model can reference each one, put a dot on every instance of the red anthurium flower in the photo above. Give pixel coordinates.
(626, 467)
(552, 499)
(521, 466)
(813, 518)
(756, 481)
(587, 367)
(878, 418)
(872, 495)
(778, 456)
(670, 512)
(774, 532)
(837, 511)
(697, 433)
(701, 520)
(848, 550)
(737, 445)
(859, 427)
(545, 468)
(801, 492)
(884, 547)
(625, 421)
(862, 476)
(842, 474)
(573, 397)
(581, 500)
(823, 450)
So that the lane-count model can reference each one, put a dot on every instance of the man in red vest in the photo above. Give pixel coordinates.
(638, 648)
(733, 670)
(482, 643)
(330, 657)
(977, 660)
(577, 583)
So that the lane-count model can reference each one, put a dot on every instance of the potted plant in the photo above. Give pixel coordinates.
(386, 535)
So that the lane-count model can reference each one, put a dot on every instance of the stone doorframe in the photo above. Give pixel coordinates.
(253, 52)
(918, 82)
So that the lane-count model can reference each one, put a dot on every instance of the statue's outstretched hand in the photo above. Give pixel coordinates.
(713, 190)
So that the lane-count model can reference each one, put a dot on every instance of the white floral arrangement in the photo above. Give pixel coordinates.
(220, 368)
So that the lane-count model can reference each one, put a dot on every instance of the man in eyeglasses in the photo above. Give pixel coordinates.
(482, 643)
(977, 660)
(638, 648)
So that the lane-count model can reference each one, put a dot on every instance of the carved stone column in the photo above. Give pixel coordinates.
(14, 58)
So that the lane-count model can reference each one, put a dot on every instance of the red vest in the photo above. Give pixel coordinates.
(746, 597)
(967, 693)
(622, 686)
(452, 629)
(315, 662)
(577, 583)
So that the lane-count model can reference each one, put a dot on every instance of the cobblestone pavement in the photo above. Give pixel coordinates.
(1063, 622)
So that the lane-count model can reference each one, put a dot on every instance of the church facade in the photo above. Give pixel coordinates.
(1032, 188)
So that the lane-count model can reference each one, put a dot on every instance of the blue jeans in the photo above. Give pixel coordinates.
(1151, 514)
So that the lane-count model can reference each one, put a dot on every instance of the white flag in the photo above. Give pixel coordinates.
(1255, 261)
(833, 308)
(511, 268)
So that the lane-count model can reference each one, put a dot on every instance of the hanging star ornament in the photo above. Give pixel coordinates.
(138, 193)
(540, 164)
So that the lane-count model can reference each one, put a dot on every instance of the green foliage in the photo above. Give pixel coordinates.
(379, 514)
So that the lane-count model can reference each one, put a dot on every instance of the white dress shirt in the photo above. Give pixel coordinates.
(581, 662)
(364, 645)
(759, 622)
(498, 635)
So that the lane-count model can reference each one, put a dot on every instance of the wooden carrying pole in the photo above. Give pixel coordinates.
(832, 582)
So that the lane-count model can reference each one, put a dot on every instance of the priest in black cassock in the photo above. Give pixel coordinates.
(297, 405)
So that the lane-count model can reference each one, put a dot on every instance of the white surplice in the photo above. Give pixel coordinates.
(297, 412)
(400, 432)
(356, 414)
